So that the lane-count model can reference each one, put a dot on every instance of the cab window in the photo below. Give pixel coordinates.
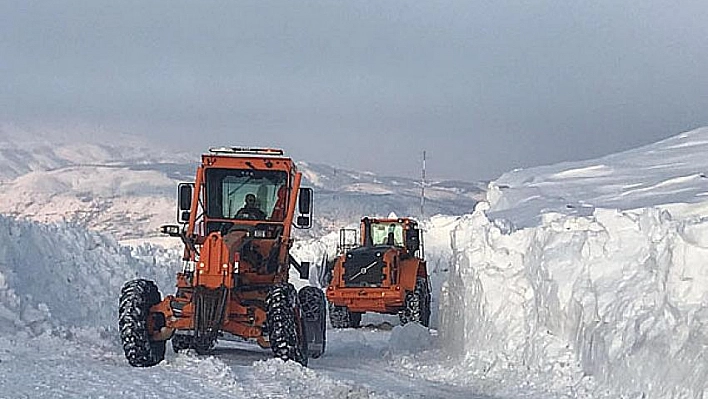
(230, 191)
(387, 234)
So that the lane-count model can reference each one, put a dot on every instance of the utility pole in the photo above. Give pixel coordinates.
(422, 189)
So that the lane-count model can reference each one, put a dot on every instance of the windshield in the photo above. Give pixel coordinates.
(246, 194)
(387, 234)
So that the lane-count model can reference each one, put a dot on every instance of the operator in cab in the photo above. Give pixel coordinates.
(250, 209)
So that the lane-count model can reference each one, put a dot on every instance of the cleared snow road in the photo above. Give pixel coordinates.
(361, 362)
(358, 364)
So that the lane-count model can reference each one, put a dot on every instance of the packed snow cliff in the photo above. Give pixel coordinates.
(63, 276)
(614, 293)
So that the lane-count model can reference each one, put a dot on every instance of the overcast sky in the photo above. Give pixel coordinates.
(483, 86)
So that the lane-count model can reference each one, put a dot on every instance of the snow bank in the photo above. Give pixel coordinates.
(63, 276)
(613, 302)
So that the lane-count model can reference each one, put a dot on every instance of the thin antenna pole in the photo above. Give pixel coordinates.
(422, 189)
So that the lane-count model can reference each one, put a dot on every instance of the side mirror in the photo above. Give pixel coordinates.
(305, 201)
(184, 201)
(185, 196)
(305, 270)
(171, 230)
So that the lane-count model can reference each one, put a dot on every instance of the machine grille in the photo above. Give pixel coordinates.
(364, 267)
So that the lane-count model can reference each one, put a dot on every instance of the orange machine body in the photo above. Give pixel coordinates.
(232, 261)
(375, 276)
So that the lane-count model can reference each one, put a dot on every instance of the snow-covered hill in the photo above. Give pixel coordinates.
(37, 150)
(127, 187)
(343, 196)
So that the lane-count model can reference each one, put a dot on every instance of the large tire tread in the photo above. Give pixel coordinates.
(417, 304)
(314, 309)
(137, 296)
(285, 324)
(341, 317)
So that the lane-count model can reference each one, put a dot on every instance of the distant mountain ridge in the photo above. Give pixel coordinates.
(127, 187)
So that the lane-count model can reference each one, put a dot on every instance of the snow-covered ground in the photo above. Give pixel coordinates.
(577, 280)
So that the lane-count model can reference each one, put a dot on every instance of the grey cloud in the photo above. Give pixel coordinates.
(483, 86)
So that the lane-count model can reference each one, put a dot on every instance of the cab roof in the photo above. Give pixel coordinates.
(259, 152)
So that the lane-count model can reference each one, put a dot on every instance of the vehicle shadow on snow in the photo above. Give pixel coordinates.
(232, 353)
(241, 353)
(376, 340)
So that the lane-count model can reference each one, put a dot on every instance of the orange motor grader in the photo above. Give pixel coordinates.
(384, 273)
(237, 219)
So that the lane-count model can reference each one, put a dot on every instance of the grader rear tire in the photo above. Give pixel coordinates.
(285, 324)
(314, 308)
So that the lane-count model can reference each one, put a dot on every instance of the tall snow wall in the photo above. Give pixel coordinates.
(59, 275)
(615, 298)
